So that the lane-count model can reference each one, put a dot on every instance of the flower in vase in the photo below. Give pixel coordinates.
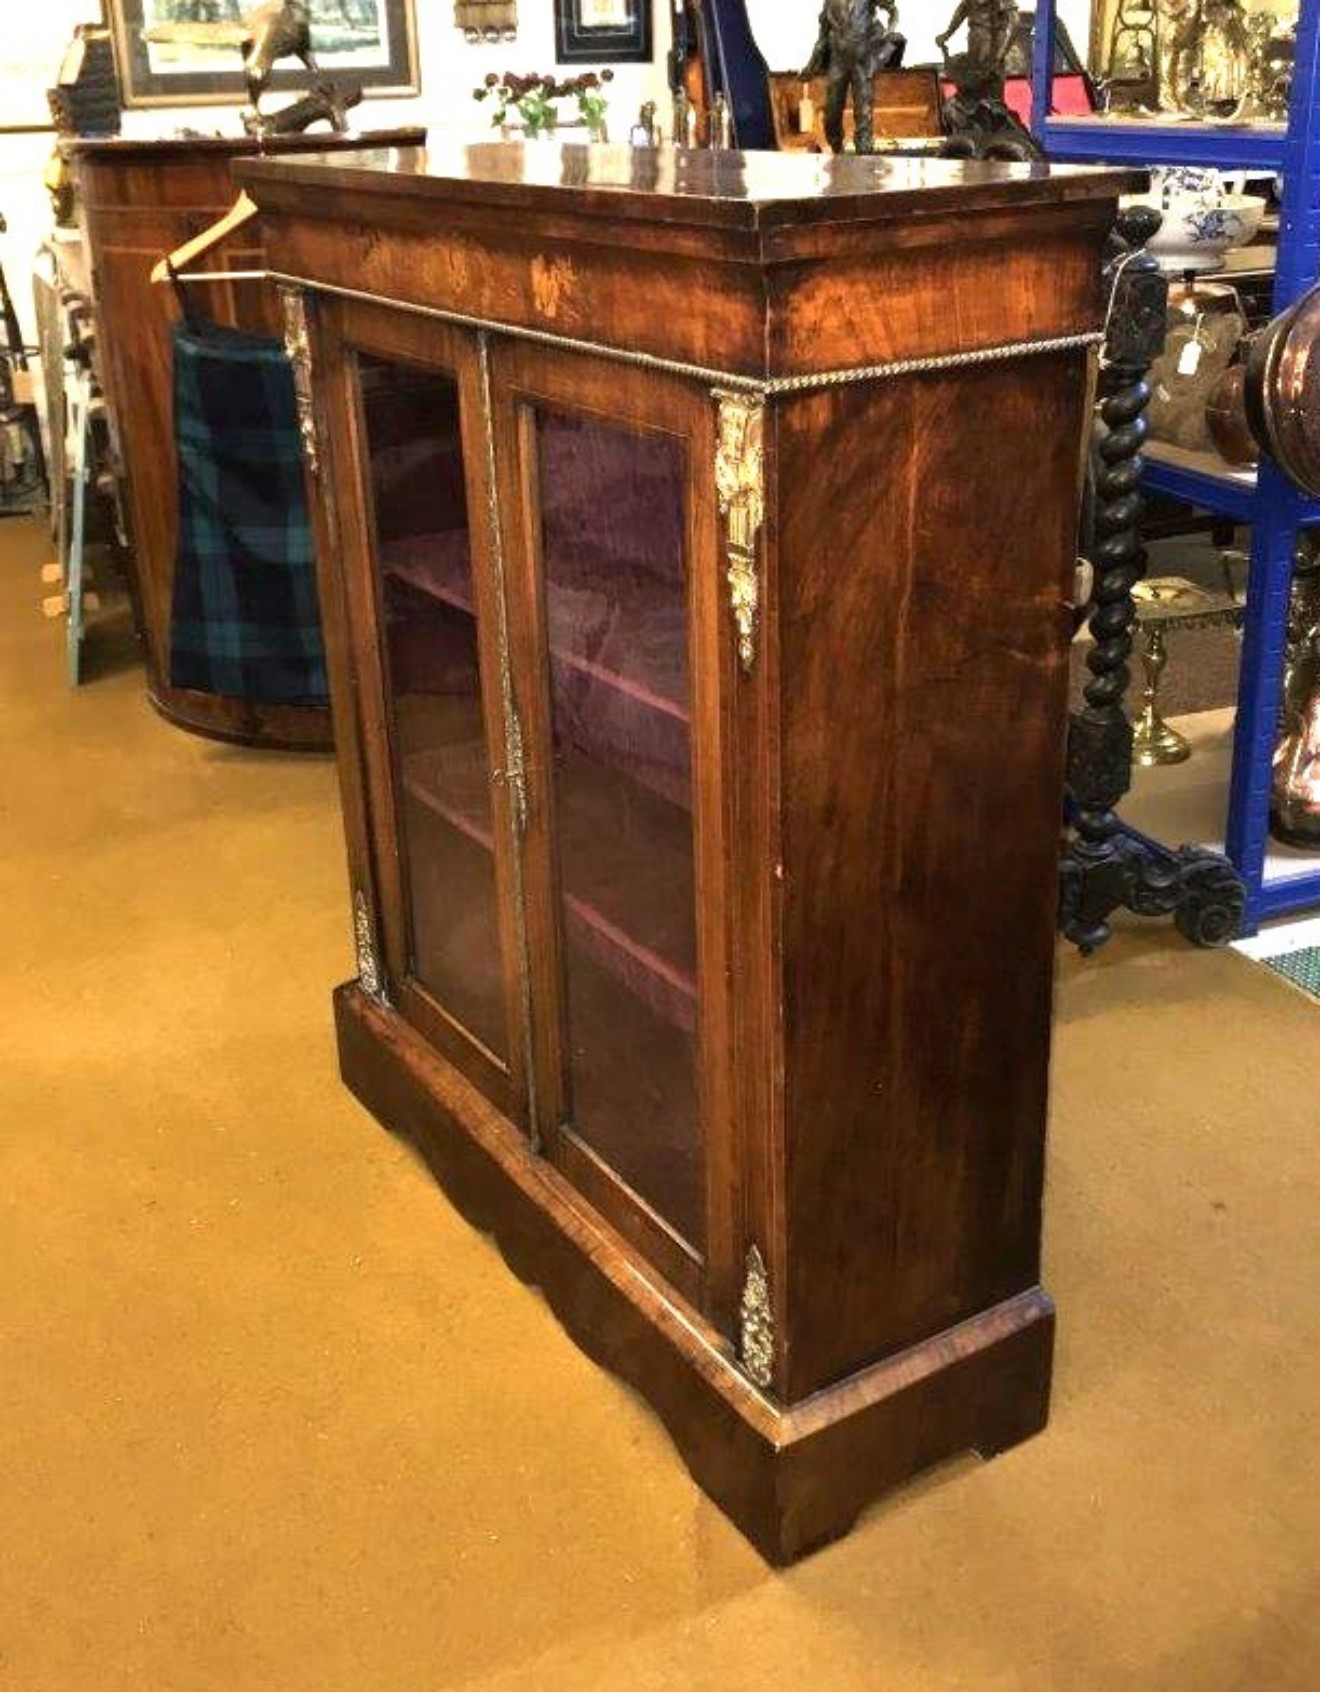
(533, 101)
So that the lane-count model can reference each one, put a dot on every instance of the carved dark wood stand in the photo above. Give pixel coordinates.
(1107, 863)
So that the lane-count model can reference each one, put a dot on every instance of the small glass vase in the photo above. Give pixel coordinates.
(531, 136)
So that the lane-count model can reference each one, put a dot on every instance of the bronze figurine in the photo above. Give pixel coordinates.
(978, 121)
(990, 26)
(325, 103)
(281, 29)
(1177, 36)
(277, 29)
(852, 45)
(1225, 59)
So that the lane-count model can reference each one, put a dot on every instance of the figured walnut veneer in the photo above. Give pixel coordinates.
(877, 793)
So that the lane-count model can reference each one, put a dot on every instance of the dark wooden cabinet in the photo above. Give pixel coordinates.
(697, 537)
(139, 200)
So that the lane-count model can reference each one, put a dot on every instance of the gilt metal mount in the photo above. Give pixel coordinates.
(756, 1344)
(740, 484)
(299, 348)
(365, 942)
(516, 772)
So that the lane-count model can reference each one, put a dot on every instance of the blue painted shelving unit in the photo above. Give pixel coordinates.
(1268, 502)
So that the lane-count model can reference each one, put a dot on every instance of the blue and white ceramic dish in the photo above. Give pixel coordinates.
(1194, 183)
(1195, 236)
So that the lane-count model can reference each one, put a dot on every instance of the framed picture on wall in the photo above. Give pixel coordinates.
(186, 52)
(602, 31)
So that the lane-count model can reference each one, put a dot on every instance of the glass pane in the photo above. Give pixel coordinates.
(433, 680)
(616, 610)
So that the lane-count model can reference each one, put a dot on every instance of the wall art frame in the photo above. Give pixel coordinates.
(602, 32)
(165, 60)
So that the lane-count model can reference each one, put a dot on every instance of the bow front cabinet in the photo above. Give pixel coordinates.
(696, 536)
(138, 199)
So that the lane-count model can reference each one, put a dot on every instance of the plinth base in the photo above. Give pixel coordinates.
(242, 722)
(790, 1477)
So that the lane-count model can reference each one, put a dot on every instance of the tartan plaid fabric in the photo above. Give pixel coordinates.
(245, 615)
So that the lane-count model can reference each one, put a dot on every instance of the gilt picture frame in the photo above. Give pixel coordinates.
(186, 52)
(602, 32)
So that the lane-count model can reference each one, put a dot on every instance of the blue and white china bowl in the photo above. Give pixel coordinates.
(1194, 235)
(1169, 183)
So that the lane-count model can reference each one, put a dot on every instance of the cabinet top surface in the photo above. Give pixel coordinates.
(167, 147)
(729, 189)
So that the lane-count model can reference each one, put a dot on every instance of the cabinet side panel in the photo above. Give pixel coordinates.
(926, 552)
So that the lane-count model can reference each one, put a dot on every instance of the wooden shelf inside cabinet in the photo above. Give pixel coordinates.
(637, 939)
(726, 816)
(437, 564)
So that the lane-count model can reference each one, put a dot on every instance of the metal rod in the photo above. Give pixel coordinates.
(221, 276)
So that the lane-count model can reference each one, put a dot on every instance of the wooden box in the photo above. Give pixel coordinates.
(906, 105)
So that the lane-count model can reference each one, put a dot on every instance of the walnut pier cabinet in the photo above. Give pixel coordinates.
(696, 535)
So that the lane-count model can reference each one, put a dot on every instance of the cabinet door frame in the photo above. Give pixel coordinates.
(525, 375)
(347, 328)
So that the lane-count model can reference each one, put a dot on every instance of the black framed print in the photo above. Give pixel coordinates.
(602, 31)
(186, 52)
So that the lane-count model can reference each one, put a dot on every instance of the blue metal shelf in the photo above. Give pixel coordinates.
(1123, 141)
(1226, 496)
(1286, 894)
(1275, 509)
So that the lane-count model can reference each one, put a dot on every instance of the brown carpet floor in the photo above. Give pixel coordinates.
(274, 1420)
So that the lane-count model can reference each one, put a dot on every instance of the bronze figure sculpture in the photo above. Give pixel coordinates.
(990, 26)
(979, 122)
(277, 29)
(852, 45)
(326, 103)
(1178, 30)
(1224, 67)
(281, 29)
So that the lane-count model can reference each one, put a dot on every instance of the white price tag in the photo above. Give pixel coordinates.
(1189, 359)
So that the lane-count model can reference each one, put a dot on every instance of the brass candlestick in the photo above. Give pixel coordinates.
(1153, 740)
(1163, 603)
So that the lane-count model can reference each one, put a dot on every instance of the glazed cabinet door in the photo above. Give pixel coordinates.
(423, 600)
(600, 474)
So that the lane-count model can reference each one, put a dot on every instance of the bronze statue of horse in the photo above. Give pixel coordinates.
(277, 29)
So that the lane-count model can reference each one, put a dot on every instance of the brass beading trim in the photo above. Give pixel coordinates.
(767, 387)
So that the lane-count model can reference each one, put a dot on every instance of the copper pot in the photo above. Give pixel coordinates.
(1281, 391)
(1295, 786)
(1192, 297)
(1226, 419)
